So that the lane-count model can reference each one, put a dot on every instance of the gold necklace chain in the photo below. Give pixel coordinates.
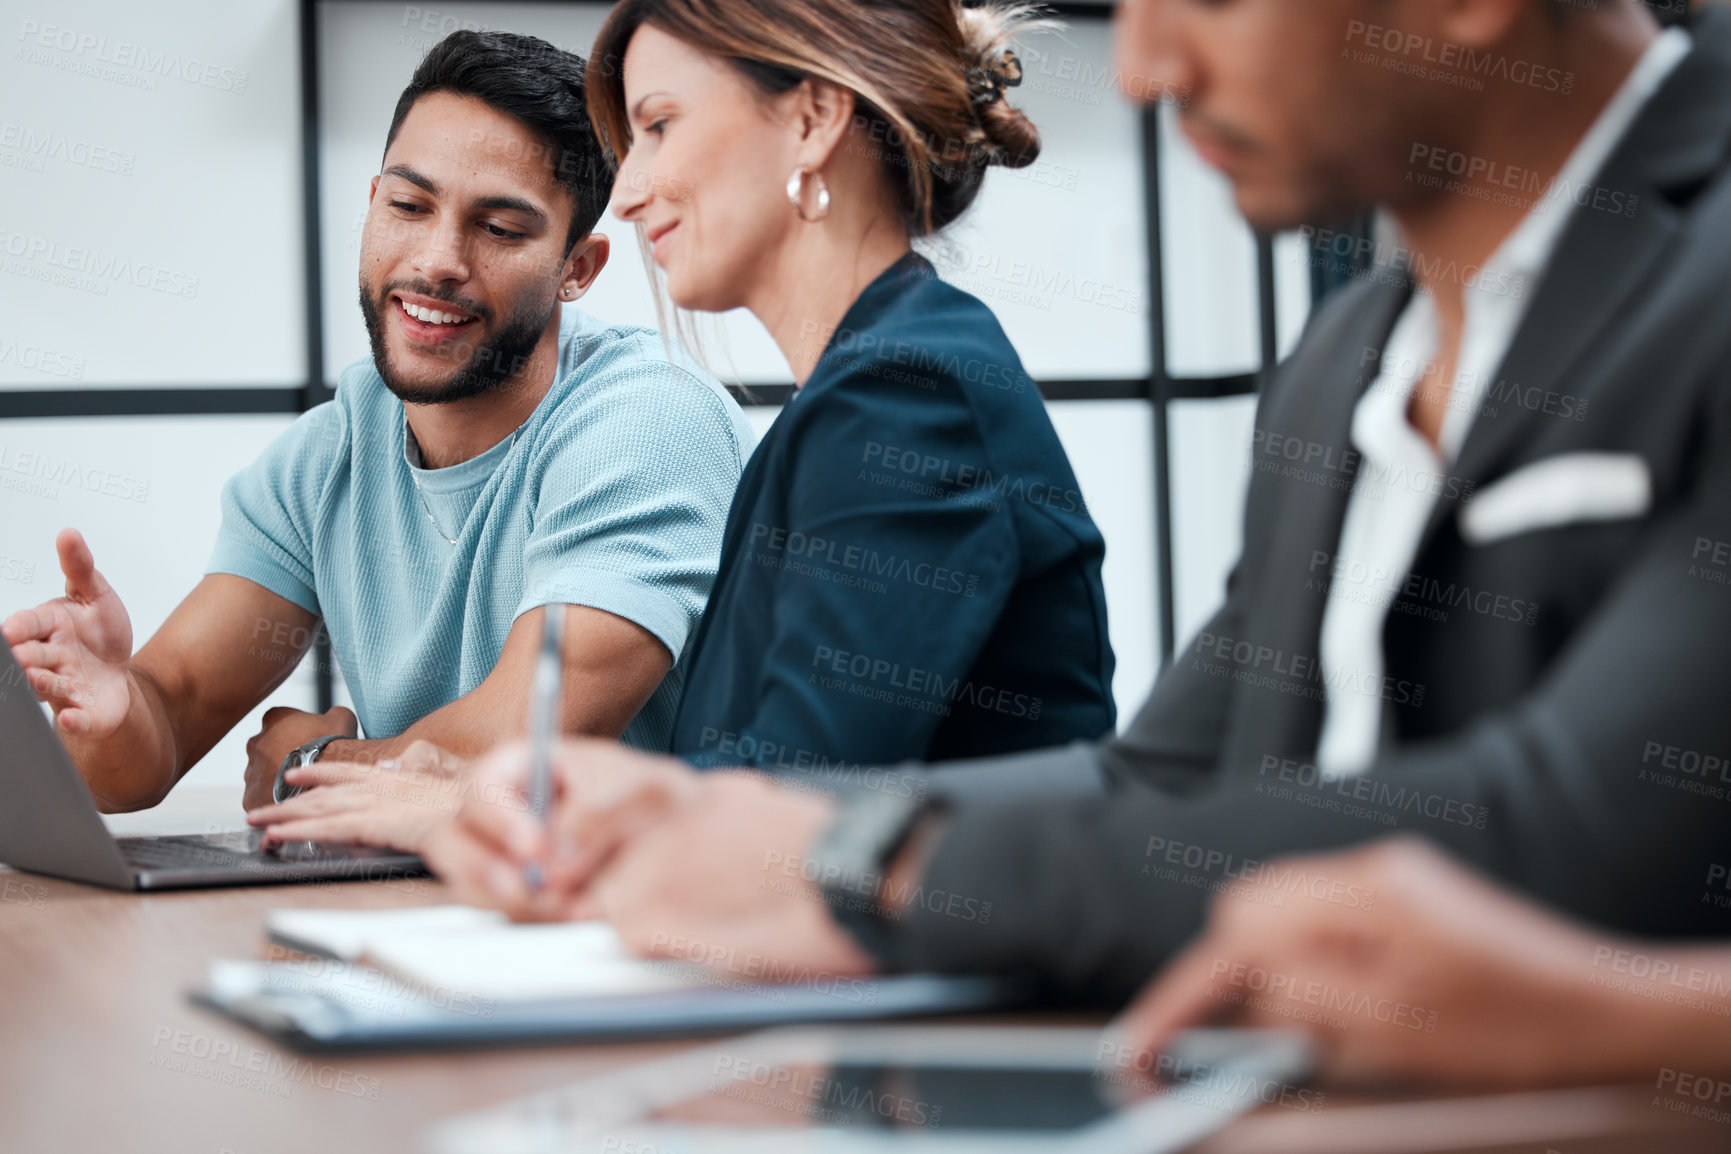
(428, 509)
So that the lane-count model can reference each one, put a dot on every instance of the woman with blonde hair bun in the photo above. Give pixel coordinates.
(909, 569)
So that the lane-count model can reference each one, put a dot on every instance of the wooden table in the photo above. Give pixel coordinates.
(100, 1050)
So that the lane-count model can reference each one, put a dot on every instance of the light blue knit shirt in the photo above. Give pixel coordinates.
(613, 495)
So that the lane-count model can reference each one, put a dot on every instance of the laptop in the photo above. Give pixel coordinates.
(50, 825)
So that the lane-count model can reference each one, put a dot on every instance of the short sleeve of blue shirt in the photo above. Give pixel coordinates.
(270, 507)
(612, 495)
(627, 530)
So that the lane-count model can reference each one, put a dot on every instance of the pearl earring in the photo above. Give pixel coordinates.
(796, 194)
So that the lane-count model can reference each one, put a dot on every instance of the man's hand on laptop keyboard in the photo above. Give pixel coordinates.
(393, 803)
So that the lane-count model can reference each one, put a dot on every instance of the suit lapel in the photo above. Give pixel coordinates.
(1332, 391)
(1603, 260)
(1592, 279)
(1327, 377)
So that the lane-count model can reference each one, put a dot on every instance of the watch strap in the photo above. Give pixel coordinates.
(853, 857)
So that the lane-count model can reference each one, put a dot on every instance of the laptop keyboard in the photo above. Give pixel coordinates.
(236, 849)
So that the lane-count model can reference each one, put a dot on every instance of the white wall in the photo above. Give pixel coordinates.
(150, 236)
(149, 193)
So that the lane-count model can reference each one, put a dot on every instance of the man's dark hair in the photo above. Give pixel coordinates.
(538, 84)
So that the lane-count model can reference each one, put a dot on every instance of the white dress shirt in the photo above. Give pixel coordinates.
(1401, 475)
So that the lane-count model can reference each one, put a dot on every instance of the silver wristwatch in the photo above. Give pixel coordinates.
(299, 756)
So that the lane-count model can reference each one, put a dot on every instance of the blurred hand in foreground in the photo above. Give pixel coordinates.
(1404, 967)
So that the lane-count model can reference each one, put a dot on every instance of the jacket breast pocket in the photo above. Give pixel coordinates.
(1566, 489)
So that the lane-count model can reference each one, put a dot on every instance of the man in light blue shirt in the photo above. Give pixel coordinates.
(500, 451)
(610, 496)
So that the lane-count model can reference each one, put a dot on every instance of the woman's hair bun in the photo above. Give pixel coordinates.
(929, 79)
(992, 68)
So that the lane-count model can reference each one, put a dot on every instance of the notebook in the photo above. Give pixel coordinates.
(481, 952)
(455, 976)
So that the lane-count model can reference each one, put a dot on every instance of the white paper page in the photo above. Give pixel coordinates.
(480, 953)
(346, 933)
(509, 962)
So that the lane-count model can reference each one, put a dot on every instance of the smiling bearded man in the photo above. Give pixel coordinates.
(499, 452)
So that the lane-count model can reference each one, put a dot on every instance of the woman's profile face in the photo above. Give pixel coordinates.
(706, 173)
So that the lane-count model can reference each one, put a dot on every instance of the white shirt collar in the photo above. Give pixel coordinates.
(1493, 312)
(1528, 249)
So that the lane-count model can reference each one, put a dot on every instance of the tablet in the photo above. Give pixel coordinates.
(911, 1089)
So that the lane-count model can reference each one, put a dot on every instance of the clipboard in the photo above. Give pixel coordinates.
(330, 1005)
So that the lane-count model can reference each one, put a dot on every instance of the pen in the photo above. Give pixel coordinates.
(544, 723)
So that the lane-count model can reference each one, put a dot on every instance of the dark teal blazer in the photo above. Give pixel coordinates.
(909, 569)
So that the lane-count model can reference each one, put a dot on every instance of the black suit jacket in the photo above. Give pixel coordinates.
(1566, 725)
